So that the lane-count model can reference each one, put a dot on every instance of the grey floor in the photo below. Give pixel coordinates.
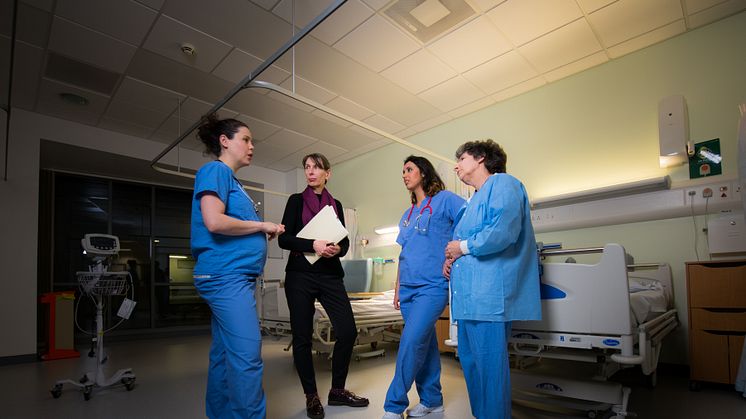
(171, 377)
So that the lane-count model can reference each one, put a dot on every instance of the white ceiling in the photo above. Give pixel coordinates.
(124, 56)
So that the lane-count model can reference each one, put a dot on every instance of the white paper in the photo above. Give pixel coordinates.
(125, 310)
(324, 226)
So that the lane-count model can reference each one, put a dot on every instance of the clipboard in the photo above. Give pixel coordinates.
(323, 226)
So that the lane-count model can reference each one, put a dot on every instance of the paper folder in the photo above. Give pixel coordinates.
(324, 226)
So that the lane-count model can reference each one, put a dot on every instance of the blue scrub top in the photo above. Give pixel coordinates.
(218, 253)
(423, 251)
(499, 279)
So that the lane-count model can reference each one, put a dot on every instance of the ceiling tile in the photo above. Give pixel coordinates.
(237, 65)
(329, 117)
(486, 5)
(308, 90)
(265, 152)
(46, 5)
(294, 160)
(126, 111)
(648, 38)
(717, 12)
(32, 25)
(260, 130)
(147, 95)
(501, 72)
(377, 44)
(525, 20)
(305, 10)
(125, 20)
(577, 66)
(267, 4)
(590, 6)
(168, 35)
(236, 22)
(430, 123)
(153, 4)
(349, 108)
(279, 97)
(376, 4)
(695, 6)
(50, 103)
(101, 50)
(471, 107)
(418, 72)
(384, 124)
(172, 128)
(156, 69)
(518, 89)
(126, 127)
(342, 21)
(28, 63)
(289, 140)
(484, 41)
(563, 46)
(627, 19)
(452, 94)
(359, 151)
(193, 109)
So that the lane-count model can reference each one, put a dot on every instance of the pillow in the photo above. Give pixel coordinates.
(643, 284)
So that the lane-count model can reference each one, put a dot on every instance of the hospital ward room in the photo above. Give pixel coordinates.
(450, 209)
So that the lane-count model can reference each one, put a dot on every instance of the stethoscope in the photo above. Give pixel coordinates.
(427, 206)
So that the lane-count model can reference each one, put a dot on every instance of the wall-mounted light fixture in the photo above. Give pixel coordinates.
(613, 191)
(673, 131)
(386, 230)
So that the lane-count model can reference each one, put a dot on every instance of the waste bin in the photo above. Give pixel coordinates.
(60, 324)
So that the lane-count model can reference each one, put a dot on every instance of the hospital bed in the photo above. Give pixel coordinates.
(612, 314)
(375, 317)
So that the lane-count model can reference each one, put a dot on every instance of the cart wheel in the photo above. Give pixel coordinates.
(591, 414)
(652, 380)
(56, 391)
(87, 391)
(373, 345)
(129, 383)
(83, 379)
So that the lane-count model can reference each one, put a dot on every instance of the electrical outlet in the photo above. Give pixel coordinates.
(707, 192)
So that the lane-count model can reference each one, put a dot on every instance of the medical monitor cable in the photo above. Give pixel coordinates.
(705, 229)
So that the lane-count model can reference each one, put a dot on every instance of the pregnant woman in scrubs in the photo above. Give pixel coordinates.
(421, 288)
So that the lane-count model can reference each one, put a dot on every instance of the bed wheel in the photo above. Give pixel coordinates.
(373, 345)
(694, 385)
(651, 380)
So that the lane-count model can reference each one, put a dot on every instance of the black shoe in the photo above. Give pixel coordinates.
(314, 409)
(342, 397)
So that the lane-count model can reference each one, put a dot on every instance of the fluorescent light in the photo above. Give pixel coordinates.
(178, 257)
(613, 191)
(429, 12)
(386, 230)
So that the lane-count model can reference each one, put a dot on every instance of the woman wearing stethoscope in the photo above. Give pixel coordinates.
(421, 289)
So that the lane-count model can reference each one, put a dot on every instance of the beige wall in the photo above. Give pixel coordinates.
(593, 129)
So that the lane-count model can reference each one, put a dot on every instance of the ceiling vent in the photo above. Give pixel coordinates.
(76, 73)
(427, 19)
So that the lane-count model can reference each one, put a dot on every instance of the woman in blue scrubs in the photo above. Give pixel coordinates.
(494, 272)
(229, 242)
(421, 289)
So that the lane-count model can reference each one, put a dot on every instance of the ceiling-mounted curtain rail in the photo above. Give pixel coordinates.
(10, 87)
(275, 88)
(243, 84)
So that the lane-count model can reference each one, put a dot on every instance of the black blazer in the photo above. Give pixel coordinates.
(293, 221)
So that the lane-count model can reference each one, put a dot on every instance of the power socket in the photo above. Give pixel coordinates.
(707, 193)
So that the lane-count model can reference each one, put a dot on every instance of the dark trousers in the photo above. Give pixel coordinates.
(301, 289)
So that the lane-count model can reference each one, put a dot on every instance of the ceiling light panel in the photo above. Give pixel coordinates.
(419, 72)
(124, 20)
(451, 48)
(501, 72)
(428, 19)
(377, 44)
(525, 20)
(627, 19)
(563, 46)
(92, 47)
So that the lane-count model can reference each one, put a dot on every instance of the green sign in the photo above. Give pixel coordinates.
(706, 160)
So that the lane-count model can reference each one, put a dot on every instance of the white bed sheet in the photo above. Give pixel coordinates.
(377, 305)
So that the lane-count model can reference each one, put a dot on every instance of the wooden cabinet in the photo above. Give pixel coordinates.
(716, 295)
(441, 331)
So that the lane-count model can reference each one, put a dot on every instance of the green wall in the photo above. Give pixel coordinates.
(592, 129)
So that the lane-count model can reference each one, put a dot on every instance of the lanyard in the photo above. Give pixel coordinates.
(427, 206)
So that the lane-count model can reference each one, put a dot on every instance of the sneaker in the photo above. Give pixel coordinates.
(422, 410)
(314, 409)
(342, 397)
(389, 415)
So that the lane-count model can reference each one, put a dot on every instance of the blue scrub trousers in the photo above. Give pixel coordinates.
(418, 359)
(483, 351)
(234, 380)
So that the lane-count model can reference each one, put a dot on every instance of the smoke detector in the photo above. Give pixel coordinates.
(188, 49)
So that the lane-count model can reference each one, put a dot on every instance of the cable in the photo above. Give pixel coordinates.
(706, 230)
